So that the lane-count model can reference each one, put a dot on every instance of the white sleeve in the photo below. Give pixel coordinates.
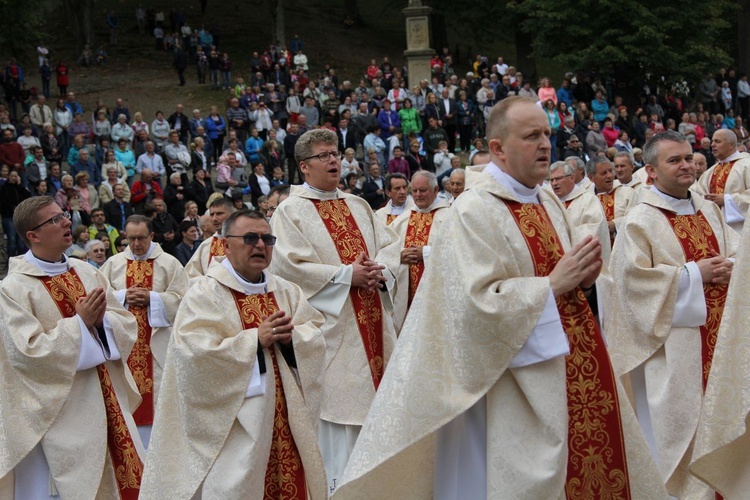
(690, 306)
(157, 313)
(93, 352)
(120, 296)
(426, 250)
(332, 297)
(257, 385)
(732, 212)
(547, 339)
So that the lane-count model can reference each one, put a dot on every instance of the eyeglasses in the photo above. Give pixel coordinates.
(54, 220)
(252, 239)
(134, 239)
(324, 156)
(558, 179)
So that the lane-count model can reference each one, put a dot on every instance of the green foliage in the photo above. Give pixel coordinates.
(22, 24)
(636, 39)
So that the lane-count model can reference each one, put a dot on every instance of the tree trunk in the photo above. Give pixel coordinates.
(351, 10)
(743, 36)
(524, 60)
(80, 13)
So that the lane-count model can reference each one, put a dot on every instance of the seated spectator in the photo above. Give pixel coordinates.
(201, 189)
(398, 164)
(111, 180)
(87, 193)
(176, 196)
(117, 210)
(145, 191)
(80, 238)
(87, 165)
(99, 226)
(151, 160)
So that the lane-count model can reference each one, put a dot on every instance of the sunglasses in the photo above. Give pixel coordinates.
(253, 238)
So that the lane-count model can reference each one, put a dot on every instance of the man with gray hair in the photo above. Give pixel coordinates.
(669, 271)
(417, 230)
(580, 178)
(582, 205)
(624, 170)
(615, 200)
(727, 183)
(345, 261)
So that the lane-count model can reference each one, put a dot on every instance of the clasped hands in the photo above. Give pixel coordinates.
(367, 273)
(412, 255)
(138, 296)
(715, 269)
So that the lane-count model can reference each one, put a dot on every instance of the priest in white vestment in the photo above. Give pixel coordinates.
(670, 267)
(399, 200)
(624, 165)
(615, 200)
(150, 283)
(417, 230)
(345, 262)
(237, 416)
(66, 386)
(212, 247)
(727, 183)
(582, 206)
(475, 402)
(720, 456)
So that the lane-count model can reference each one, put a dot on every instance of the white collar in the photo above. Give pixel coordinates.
(429, 209)
(147, 254)
(680, 206)
(49, 268)
(524, 193)
(247, 287)
(325, 195)
(731, 157)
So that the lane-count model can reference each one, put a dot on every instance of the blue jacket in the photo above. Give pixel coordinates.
(214, 129)
(252, 149)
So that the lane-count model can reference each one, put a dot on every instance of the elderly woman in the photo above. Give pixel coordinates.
(87, 192)
(138, 123)
(121, 130)
(106, 188)
(96, 253)
(110, 161)
(160, 129)
(102, 127)
(50, 144)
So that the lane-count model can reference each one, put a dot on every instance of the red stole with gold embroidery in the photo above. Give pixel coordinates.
(719, 177)
(217, 248)
(389, 218)
(417, 235)
(140, 273)
(597, 464)
(285, 475)
(349, 243)
(698, 239)
(65, 290)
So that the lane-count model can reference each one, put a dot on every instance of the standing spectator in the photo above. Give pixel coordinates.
(118, 209)
(79, 128)
(27, 141)
(160, 130)
(62, 78)
(110, 162)
(410, 119)
(45, 72)
(553, 117)
(114, 27)
(180, 62)
(225, 66)
(214, 65)
(388, 120)
(40, 113)
(36, 167)
(547, 91)
(111, 179)
(122, 131)
(253, 146)
(600, 107)
(177, 155)
(88, 166)
(466, 120)
(11, 152)
(290, 141)
(176, 196)
(166, 229)
(102, 127)
(216, 128)
(237, 119)
(50, 144)
(179, 122)
(432, 138)
(12, 193)
(201, 189)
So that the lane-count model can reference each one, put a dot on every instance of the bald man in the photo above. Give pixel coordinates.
(727, 183)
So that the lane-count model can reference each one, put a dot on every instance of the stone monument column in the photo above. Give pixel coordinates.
(418, 52)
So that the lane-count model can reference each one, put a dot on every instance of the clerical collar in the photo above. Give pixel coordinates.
(432, 206)
(730, 158)
(147, 254)
(523, 193)
(398, 210)
(681, 206)
(325, 195)
(48, 268)
(248, 287)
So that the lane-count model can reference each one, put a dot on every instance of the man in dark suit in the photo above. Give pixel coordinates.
(373, 189)
(117, 211)
(346, 136)
(450, 118)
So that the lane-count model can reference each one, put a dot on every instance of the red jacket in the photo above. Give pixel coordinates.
(139, 193)
(11, 154)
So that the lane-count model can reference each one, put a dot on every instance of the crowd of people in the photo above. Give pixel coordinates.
(305, 291)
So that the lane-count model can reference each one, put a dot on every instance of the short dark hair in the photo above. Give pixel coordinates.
(140, 219)
(394, 176)
(282, 189)
(222, 202)
(186, 225)
(244, 213)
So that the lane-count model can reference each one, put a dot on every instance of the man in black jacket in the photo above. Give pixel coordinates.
(117, 211)
(346, 136)
(290, 141)
(373, 189)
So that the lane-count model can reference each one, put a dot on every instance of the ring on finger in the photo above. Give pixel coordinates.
(273, 330)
